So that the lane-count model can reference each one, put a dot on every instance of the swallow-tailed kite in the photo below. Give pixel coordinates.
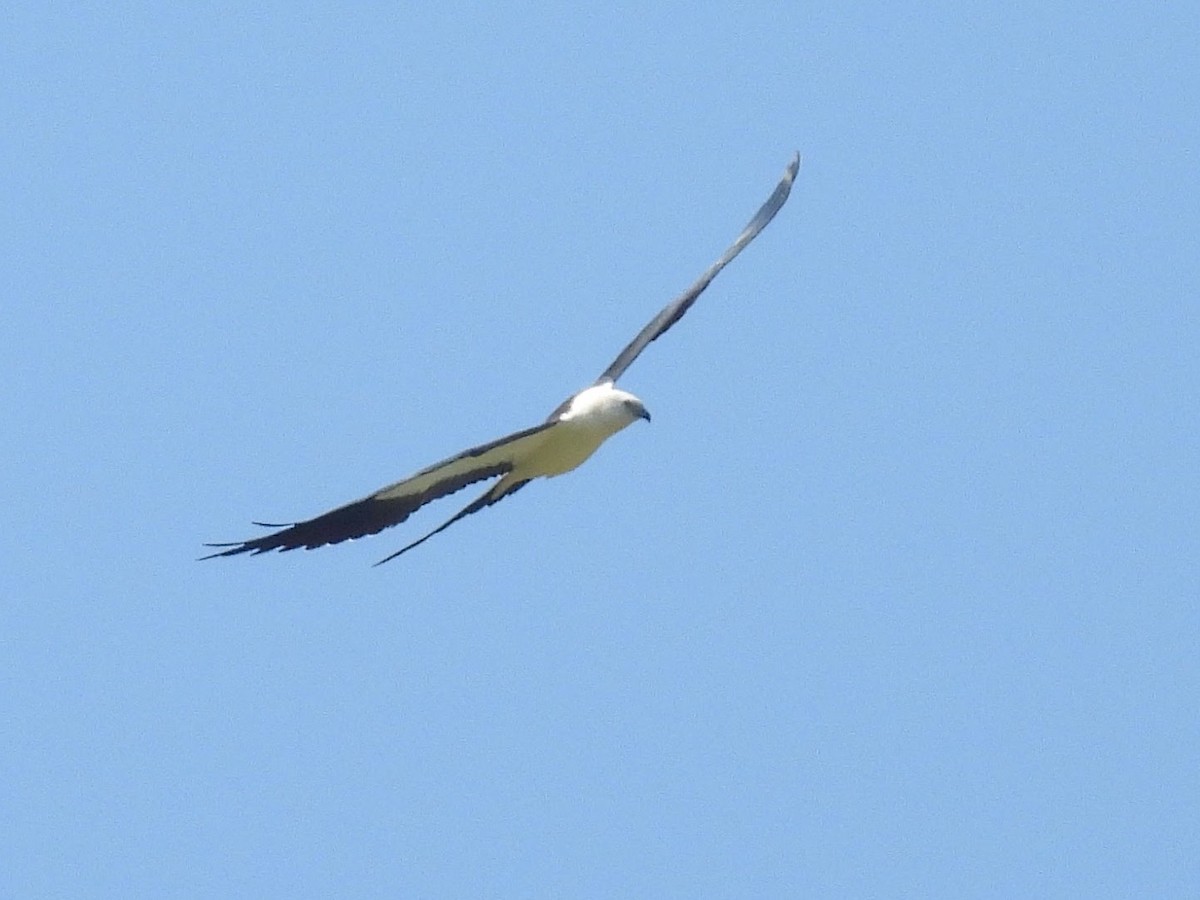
(571, 434)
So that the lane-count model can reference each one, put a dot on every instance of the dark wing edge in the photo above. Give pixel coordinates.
(494, 494)
(673, 311)
(388, 506)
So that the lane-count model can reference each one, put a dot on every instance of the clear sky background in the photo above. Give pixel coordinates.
(897, 596)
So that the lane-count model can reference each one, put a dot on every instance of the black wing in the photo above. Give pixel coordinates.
(393, 504)
(674, 310)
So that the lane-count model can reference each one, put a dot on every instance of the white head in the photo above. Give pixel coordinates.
(631, 406)
(605, 403)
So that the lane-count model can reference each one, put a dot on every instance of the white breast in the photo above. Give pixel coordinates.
(595, 415)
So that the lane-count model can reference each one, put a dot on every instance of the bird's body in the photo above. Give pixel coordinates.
(571, 434)
(591, 417)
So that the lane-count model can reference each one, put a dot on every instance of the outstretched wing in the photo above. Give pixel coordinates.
(674, 310)
(393, 504)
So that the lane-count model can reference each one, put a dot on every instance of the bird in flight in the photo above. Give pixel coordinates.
(572, 433)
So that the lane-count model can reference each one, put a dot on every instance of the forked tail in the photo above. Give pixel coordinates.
(494, 494)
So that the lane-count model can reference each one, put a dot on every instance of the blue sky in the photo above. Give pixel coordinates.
(895, 597)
